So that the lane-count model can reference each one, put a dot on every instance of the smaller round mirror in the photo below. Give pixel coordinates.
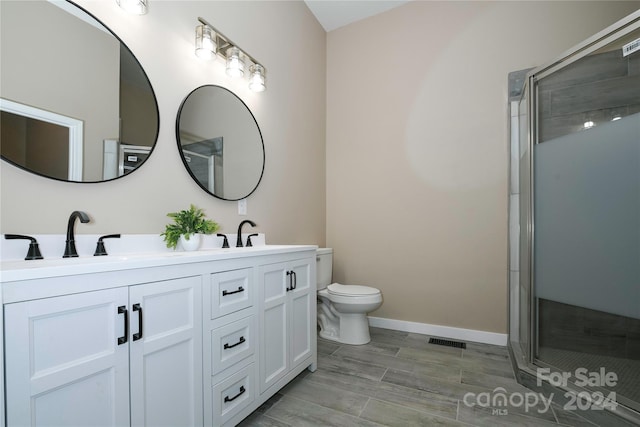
(220, 142)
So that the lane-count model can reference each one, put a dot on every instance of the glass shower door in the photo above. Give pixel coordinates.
(586, 211)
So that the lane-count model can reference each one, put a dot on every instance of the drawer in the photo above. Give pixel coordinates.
(232, 343)
(232, 395)
(231, 291)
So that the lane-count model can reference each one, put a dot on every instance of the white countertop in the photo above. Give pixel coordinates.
(12, 270)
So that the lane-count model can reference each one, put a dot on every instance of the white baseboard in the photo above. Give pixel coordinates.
(440, 331)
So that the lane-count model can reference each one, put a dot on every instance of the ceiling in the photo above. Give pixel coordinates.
(334, 14)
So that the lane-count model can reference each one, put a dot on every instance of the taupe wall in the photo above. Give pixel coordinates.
(417, 148)
(289, 204)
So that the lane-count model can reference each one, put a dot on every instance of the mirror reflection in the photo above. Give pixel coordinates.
(75, 104)
(220, 142)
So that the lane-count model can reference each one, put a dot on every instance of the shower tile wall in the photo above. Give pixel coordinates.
(569, 327)
(597, 88)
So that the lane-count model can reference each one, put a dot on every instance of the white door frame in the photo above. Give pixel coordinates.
(75, 127)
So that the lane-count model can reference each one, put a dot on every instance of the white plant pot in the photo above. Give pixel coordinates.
(192, 244)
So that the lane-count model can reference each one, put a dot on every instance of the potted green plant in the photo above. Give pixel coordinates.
(188, 227)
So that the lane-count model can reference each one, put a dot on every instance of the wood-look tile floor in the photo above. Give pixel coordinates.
(399, 379)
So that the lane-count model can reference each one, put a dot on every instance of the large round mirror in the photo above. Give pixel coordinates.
(220, 142)
(75, 103)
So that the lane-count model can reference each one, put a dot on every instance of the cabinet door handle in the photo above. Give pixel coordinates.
(289, 287)
(240, 341)
(138, 335)
(226, 292)
(123, 310)
(295, 279)
(231, 399)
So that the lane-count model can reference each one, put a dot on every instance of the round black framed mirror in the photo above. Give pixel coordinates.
(220, 142)
(75, 103)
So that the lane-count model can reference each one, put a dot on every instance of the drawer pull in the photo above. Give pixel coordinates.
(231, 399)
(228, 346)
(225, 292)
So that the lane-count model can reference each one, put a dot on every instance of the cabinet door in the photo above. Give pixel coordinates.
(274, 343)
(302, 318)
(166, 359)
(64, 365)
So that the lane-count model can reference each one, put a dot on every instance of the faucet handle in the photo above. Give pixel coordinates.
(100, 250)
(225, 242)
(34, 249)
(249, 244)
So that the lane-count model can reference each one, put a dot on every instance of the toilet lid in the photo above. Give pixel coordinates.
(351, 290)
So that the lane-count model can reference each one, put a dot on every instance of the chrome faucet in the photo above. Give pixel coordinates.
(239, 236)
(70, 247)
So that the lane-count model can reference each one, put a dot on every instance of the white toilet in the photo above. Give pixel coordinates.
(342, 309)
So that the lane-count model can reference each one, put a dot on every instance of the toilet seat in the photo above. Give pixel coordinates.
(338, 289)
(372, 296)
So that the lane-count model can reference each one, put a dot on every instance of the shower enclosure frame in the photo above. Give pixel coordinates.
(524, 359)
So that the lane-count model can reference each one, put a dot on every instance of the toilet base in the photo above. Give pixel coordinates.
(353, 330)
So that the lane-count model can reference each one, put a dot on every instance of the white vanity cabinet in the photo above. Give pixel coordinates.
(287, 295)
(127, 355)
(186, 340)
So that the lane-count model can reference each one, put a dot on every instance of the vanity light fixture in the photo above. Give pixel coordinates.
(136, 7)
(211, 42)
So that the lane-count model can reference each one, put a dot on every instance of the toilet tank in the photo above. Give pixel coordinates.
(324, 261)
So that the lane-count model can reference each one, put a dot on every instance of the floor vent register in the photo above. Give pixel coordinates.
(448, 343)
